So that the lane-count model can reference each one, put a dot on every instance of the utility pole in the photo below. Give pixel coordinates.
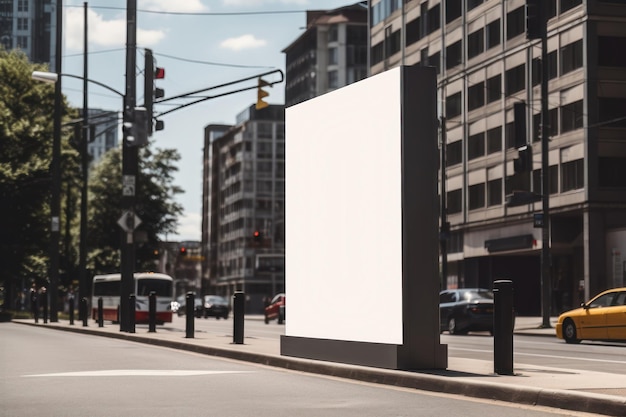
(83, 285)
(130, 168)
(55, 201)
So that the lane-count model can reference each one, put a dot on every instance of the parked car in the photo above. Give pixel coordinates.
(216, 306)
(182, 306)
(466, 309)
(601, 318)
(276, 309)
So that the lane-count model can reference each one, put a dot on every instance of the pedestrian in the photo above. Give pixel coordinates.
(34, 302)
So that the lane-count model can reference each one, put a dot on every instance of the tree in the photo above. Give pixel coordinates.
(26, 129)
(154, 205)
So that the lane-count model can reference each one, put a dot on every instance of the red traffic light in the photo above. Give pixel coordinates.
(256, 233)
(159, 73)
(183, 250)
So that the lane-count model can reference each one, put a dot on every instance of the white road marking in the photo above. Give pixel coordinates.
(137, 372)
(543, 356)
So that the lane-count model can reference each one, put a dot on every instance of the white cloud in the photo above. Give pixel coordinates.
(255, 3)
(172, 6)
(105, 33)
(242, 42)
(189, 227)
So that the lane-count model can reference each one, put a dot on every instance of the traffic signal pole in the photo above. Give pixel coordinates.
(130, 168)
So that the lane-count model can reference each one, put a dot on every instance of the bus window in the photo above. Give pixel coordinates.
(160, 287)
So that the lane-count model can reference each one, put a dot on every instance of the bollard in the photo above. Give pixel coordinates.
(83, 309)
(133, 306)
(238, 316)
(189, 313)
(71, 307)
(44, 304)
(503, 327)
(100, 313)
(152, 313)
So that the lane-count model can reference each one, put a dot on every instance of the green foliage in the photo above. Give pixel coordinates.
(26, 130)
(155, 206)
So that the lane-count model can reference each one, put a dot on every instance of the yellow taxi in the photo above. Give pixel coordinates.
(601, 318)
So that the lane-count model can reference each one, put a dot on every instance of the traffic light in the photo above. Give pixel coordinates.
(261, 94)
(257, 237)
(136, 129)
(524, 161)
(183, 251)
(151, 92)
(535, 20)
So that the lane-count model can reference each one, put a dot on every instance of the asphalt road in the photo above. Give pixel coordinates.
(46, 373)
(532, 350)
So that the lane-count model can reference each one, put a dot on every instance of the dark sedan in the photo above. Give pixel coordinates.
(465, 310)
(216, 306)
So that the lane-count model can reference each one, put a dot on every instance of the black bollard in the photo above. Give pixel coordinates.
(133, 305)
(84, 314)
(189, 312)
(44, 305)
(71, 307)
(503, 327)
(238, 316)
(100, 313)
(152, 313)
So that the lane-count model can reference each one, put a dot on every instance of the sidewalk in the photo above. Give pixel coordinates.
(585, 391)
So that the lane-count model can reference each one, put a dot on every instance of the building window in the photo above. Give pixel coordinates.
(454, 10)
(22, 23)
(333, 79)
(454, 55)
(571, 57)
(509, 137)
(476, 146)
(515, 22)
(476, 96)
(494, 140)
(453, 105)
(434, 61)
(333, 34)
(494, 88)
(569, 4)
(22, 6)
(476, 196)
(454, 153)
(554, 180)
(413, 31)
(572, 116)
(612, 172)
(473, 3)
(607, 45)
(493, 34)
(377, 53)
(494, 192)
(475, 43)
(454, 199)
(434, 19)
(333, 56)
(612, 110)
(22, 42)
(572, 175)
(515, 79)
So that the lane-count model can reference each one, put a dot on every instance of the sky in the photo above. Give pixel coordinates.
(200, 44)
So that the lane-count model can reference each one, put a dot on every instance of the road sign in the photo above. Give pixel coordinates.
(128, 185)
(129, 221)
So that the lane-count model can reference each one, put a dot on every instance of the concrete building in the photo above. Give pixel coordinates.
(331, 53)
(243, 227)
(29, 25)
(105, 133)
(485, 65)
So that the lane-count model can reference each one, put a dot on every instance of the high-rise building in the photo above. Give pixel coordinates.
(243, 230)
(331, 53)
(106, 133)
(29, 25)
(486, 64)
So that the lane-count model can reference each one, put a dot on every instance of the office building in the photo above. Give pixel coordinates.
(486, 63)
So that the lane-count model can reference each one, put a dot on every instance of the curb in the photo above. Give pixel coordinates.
(562, 399)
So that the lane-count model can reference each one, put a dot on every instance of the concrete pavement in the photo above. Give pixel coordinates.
(591, 392)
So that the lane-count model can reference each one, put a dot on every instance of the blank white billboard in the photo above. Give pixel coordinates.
(344, 213)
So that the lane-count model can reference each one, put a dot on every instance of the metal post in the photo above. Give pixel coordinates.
(152, 313)
(71, 308)
(189, 313)
(44, 305)
(82, 250)
(100, 313)
(55, 168)
(84, 310)
(238, 317)
(503, 327)
(129, 169)
(545, 174)
(444, 230)
(131, 309)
